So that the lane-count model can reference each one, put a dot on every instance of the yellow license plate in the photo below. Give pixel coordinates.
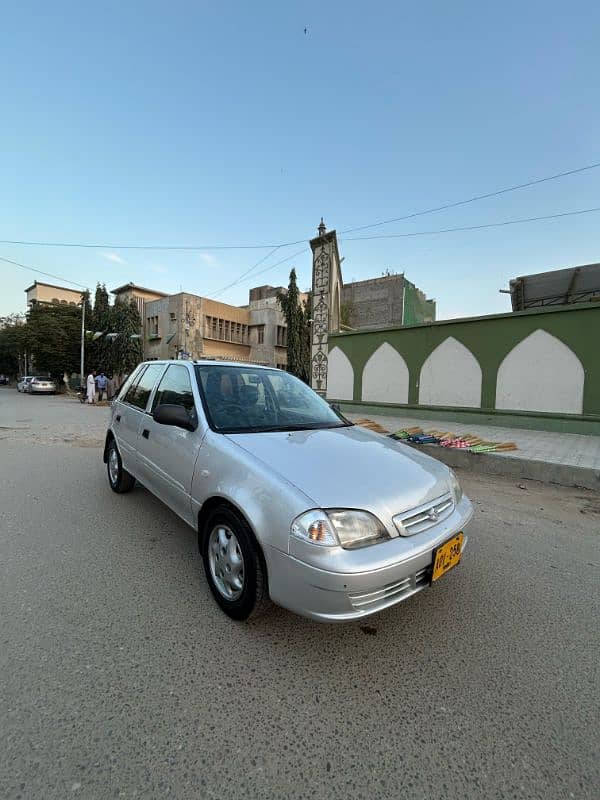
(446, 556)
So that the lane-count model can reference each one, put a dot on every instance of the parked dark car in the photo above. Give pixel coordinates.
(4, 380)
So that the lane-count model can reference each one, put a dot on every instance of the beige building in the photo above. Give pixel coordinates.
(48, 294)
(195, 327)
(139, 294)
(186, 325)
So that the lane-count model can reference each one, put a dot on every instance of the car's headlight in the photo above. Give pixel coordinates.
(455, 488)
(348, 528)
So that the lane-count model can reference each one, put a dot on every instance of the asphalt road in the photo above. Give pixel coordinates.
(121, 678)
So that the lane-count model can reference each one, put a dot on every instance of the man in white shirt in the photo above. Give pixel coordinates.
(91, 387)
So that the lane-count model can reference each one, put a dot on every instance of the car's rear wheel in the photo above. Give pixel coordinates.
(119, 479)
(234, 565)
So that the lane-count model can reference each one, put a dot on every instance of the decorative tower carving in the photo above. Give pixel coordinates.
(326, 293)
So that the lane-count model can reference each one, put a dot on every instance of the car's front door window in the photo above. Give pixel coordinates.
(175, 388)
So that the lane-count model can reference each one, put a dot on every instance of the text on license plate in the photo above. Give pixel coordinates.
(446, 556)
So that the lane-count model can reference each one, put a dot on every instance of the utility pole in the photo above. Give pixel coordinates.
(82, 337)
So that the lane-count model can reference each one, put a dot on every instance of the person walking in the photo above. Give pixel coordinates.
(91, 387)
(101, 382)
(110, 387)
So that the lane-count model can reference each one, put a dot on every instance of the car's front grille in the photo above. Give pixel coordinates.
(420, 519)
(392, 593)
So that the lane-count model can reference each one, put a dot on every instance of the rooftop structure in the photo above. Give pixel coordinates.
(558, 287)
(50, 294)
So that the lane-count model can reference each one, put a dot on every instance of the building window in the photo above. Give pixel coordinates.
(260, 332)
(172, 322)
(153, 332)
(281, 336)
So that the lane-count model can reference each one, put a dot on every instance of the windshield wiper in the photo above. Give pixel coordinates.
(301, 426)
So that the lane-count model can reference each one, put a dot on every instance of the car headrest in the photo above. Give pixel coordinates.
(248, 395)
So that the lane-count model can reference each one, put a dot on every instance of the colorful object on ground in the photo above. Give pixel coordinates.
(463, 441)
(372, 425)
(406, 433)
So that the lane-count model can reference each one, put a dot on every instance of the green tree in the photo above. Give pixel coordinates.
(13, 344)
(297, 316)
(53, 335)
(101, 319)
(126, 351)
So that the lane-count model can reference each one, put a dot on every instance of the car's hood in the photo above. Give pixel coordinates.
(350, 468)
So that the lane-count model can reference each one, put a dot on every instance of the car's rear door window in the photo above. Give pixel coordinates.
(130, 383)
(139, 394)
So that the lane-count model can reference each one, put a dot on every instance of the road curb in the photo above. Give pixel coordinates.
(525, 468)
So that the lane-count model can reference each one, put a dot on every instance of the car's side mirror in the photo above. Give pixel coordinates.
(172, 414)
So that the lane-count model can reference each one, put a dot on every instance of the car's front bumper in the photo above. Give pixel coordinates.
(341, 596)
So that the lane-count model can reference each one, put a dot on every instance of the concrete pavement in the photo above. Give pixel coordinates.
(569, 459)
(121, 678)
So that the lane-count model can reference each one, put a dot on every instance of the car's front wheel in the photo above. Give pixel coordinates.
(119, 479)
(233, 565)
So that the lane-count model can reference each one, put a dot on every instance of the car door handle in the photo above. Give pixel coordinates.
(118, 418)
(146, 433)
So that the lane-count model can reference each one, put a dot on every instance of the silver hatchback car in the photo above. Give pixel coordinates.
(292, 502)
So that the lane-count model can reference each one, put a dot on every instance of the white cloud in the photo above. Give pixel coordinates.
(114, 257)
(208, 258)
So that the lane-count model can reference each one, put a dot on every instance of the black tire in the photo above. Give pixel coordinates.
(123, 481)
(254, 598)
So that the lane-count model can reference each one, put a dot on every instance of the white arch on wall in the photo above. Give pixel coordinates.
(385, 376)
(541, 374)
(340, 376)
(450, 376)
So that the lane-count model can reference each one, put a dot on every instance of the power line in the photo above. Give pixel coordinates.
(473, 199)
(469, 227)
(243, 274)
(424, 233)
(183, 247)
(41, 272)
(277, 264)
(178, 247)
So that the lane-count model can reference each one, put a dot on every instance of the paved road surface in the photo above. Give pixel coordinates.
(121, 678)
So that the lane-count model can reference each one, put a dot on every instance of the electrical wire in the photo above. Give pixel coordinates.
(183, 247)
(469, 227)
(426, 233)
(455, 204)
(472, 199)
(243, 274)
(41, 272)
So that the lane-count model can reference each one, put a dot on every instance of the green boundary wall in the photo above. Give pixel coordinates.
(490, 339)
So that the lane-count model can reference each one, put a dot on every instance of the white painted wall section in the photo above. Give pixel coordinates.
(385, 376)
(340, 376)
(541, 374)
(450, 376)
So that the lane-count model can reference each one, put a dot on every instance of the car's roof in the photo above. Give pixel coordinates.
(204, 362)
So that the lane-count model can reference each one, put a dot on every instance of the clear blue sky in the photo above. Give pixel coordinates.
(210, 123)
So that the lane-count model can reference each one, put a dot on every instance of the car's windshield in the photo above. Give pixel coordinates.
(249, 399)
